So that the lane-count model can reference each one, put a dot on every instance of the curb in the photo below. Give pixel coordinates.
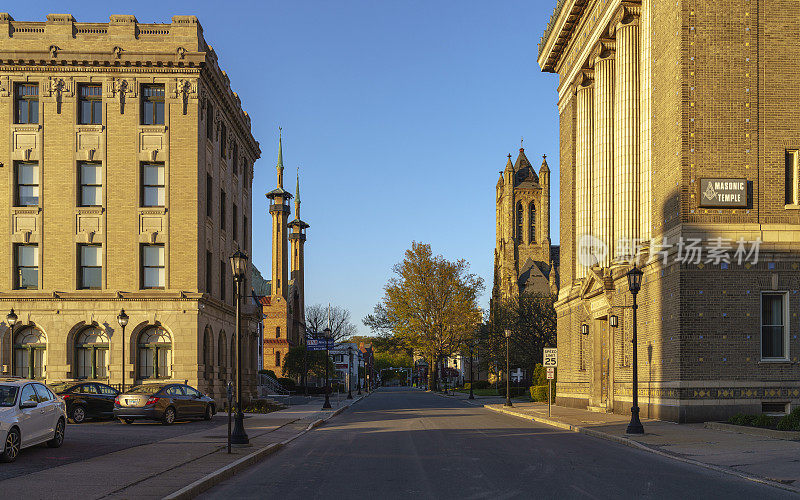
(754, 431)
(635, 444)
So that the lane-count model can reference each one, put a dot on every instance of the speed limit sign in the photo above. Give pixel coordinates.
(550, 357)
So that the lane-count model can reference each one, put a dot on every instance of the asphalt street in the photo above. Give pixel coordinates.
(401, 443)
(95, 438)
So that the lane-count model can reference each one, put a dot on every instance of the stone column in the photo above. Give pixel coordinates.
(584, 129)
(603, 203)
(646, 89)
(626, 132)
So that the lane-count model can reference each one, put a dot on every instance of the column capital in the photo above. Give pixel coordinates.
(584, 80)
(605, 48)
(627, 14)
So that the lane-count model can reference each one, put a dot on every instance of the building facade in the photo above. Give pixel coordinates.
(128, 164)
(679, 132)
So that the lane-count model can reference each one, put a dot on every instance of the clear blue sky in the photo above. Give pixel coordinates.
(400, 114)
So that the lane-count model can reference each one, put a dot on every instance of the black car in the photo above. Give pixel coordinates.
(164, 402)
(86, 399)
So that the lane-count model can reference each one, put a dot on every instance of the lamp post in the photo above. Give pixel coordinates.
(508, 372)
(634, 285)
(122, 319)
(350, 372)
(471, 380)
(12, 320)
(358, 372)
(305, 362)
(239, 267)
(327, 334)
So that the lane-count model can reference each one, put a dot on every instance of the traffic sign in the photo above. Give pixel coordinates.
(313, 344)
(550, 357)
(551, 373)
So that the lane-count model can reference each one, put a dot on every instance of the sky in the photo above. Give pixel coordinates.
(399, 114)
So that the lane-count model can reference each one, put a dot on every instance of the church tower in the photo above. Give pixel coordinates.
(297, 238)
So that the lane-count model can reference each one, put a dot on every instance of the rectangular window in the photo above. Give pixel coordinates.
(27, 180)
(153, 266)
(223, 140)
(153, 105)
(27, 264)
(235, 159)
(26, 102)
(222, 210)
(244, 232)
(222, 283)
(773, 326)
(235, 226)
(209, 121)
(91, 179)
(277, 332)
(91, 266)
(152, 184)
(792, 177)
(209, 196)
(209, 272)
(90, 105)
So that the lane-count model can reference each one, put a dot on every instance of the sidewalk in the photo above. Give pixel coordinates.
(160, 469)
(761, 459)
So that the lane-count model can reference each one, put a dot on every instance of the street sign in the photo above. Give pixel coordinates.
(550, 357)
(313, 344)
(551, 373)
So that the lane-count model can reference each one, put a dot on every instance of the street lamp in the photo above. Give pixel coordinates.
(358, 372)
(239, 267)
(327, 334)
(634, 285)
(12, 320)
(508, 372)
(349, 372)
(122, 319)
(471, 380)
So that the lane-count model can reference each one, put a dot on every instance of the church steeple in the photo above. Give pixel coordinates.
(279, 209)
(279, 166)
(297, 196)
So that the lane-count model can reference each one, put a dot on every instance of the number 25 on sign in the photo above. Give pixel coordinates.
(550, 357)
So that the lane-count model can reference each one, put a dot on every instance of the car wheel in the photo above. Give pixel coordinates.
(11, 449)
(128, 421)
(209, 413)
(58, 437)
(169, 416)
(78, 415)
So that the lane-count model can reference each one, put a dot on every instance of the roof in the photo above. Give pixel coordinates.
(523, 169)
(259, 284)
(534, 278)
(558, 32)
(298, 222)
(279, 191)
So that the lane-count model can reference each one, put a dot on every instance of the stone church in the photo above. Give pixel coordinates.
(284, 305)
(524, 259)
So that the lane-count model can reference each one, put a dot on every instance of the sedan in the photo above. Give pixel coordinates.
(87, 399)
(164, 402)
(30, 414)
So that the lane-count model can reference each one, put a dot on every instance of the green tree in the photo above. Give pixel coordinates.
(293, 363)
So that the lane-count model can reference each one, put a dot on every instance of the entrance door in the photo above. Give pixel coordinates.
(600, 363)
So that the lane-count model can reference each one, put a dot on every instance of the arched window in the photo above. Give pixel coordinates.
(277, 358)
(91, 353)
(520, 219)
(532, 223)
(30, 347)
(222, 356)
(208, 353)
(155, 353)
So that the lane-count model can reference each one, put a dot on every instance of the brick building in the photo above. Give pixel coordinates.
(128, 164)
(679, 123)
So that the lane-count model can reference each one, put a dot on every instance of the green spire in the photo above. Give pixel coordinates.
(280, 157)
(297, 196)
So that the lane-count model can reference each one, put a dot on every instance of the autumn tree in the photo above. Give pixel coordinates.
(429, 305)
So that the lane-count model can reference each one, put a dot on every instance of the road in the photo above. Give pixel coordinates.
(401, 443)
(95, 438)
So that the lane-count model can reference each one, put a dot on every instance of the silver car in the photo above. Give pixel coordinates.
(30, 414)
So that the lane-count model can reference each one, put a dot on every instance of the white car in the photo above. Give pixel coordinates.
(30, 414)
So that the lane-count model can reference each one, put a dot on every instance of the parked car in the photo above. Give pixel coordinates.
(164, 402)
(86, 399)
(30, 414)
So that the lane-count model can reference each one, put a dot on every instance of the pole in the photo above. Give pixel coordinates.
(350, 372)
(327, 379)
(635, 425)
(358, 372)
(305, 362)
(123, 358)
(230, 408)
(508, 379)
(471, 379)
(549, 393)
(239, 435)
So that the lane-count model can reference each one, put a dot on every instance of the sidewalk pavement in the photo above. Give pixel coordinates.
(165, 468)
(757, 458)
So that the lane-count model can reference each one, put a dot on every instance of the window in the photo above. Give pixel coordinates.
(91, 179)
(153, 105)
(28, 394)
(208, 353)
(223, 140)
(235, 227)
(277, 332)
(153, 266)
(91, 354)
(191, 391)
(155, 353)
(91, 266)
(222, 356)
(210, 121)
(44, 393)
(244, 232)
(26, 100)
(520, 215)
(90, 106)
(222, 210)
(793, 177)
(104, 389)
(277, 358)
(774, 340)
(235, 159)
(222, 283)
(27, 263)
(532, 223)
(152, 184)
(209, 196)
(209, 272)
(30, 345)
(27, 190)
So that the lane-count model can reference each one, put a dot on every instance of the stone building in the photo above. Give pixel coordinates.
(284, 306)
(679, 132)
(524, 259)
(128, 163)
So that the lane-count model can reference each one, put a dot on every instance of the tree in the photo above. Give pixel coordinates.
(341, 325)
(429, 305)
(293, 363)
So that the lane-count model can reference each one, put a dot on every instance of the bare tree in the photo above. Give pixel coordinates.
(341, 326)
